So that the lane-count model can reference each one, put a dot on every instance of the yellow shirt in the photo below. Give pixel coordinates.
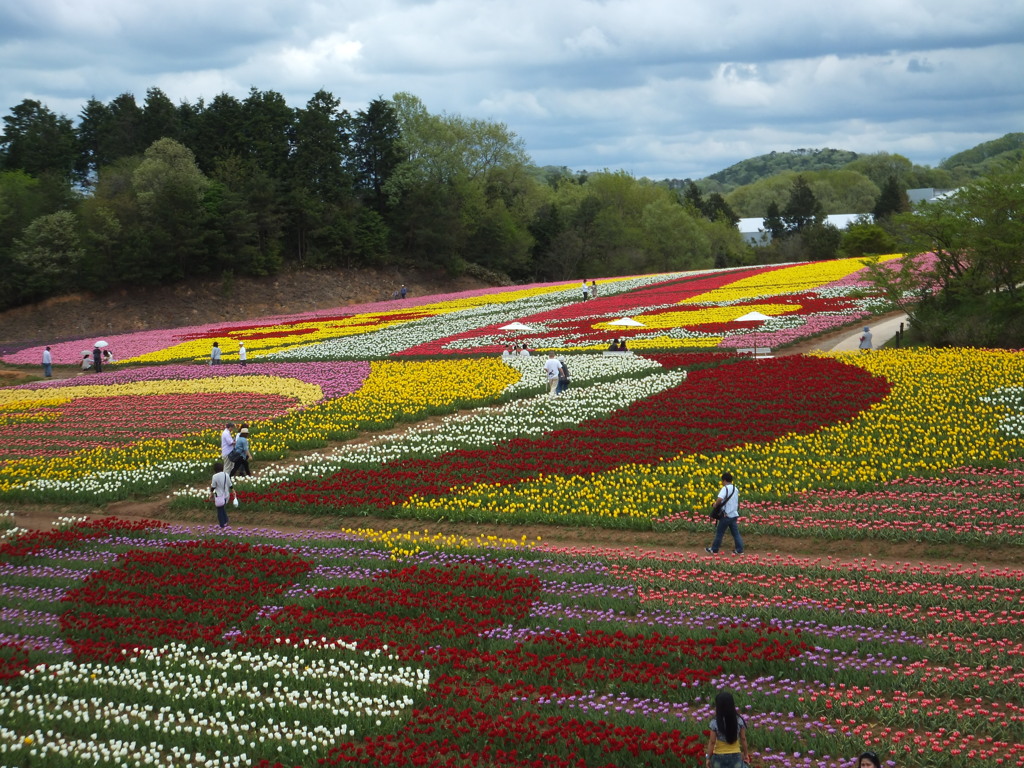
(722, 747)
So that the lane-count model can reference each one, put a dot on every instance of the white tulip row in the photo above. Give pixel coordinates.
(531, 417)
(399, 338)
(233, 693)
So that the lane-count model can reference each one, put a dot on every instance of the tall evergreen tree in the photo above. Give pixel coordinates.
(892, 199)
(38, 142)
(375, 150)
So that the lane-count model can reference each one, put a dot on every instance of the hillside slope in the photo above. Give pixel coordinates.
(83, 315)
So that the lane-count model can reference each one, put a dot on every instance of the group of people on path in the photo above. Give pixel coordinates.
(556, 374)
(215, 354)
(235, 455)
(515, 350)
(589, 291)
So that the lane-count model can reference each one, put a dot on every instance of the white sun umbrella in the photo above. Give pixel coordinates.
(752, 317)
(100, 343)
(627, 322)
(516, 326)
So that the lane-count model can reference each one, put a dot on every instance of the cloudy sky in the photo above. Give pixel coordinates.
(659, 88)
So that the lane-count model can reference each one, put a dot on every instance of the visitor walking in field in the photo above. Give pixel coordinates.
(220, 492)
(215, 354)
(727, 745)
(240, 453)
(563, 377)
(551, 370)
(865, 339)
(47, 363)
(227, 444)
(729, 503)
(97, 360)
(242, 354)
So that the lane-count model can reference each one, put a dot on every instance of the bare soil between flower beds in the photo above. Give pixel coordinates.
(41, 517)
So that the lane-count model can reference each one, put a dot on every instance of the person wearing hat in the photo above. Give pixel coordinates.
(865, 340)
(241, 450)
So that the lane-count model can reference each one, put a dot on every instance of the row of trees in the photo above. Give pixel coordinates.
(148, 194)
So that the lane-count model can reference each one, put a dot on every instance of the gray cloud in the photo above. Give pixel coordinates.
(655, 88)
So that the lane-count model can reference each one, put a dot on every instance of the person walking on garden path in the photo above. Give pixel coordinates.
(728, 496)
(47, 363)
(563, 377)
(242, 354)
(241, 450)
(215, 354)
(97, 360)
(865, 340)
(585, 289)
(220, 492)
(227, 444)
(727, 745)
(551, 370)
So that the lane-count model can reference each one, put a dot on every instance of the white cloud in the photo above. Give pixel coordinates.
(659, 87)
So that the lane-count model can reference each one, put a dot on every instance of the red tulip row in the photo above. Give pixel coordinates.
(700, 415)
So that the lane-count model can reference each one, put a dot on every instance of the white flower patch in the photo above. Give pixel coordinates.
(113, 481)
(240, 705)
(484, 427)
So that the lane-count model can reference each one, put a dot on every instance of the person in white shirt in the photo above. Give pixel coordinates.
(242, 354)
(215, 354)
(47, 363)
(227, 444)
(551, 370)
(220, 492)
(730, 519)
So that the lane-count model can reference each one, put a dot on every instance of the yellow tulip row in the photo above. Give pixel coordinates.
(403, 545)
(799, 277)
(933, 419)
(305, 393)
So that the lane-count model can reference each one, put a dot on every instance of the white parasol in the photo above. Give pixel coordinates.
(753, 317)
(100, 343)
(516, 326)
(627, 322)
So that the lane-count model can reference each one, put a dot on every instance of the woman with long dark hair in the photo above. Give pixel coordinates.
(727, 747)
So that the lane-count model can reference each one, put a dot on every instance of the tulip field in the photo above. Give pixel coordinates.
(152, 643)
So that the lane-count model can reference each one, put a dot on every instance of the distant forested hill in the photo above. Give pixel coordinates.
(747, 171)
(988, 156)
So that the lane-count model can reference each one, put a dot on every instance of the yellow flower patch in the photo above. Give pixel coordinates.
(304, 392)
(794, 279)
